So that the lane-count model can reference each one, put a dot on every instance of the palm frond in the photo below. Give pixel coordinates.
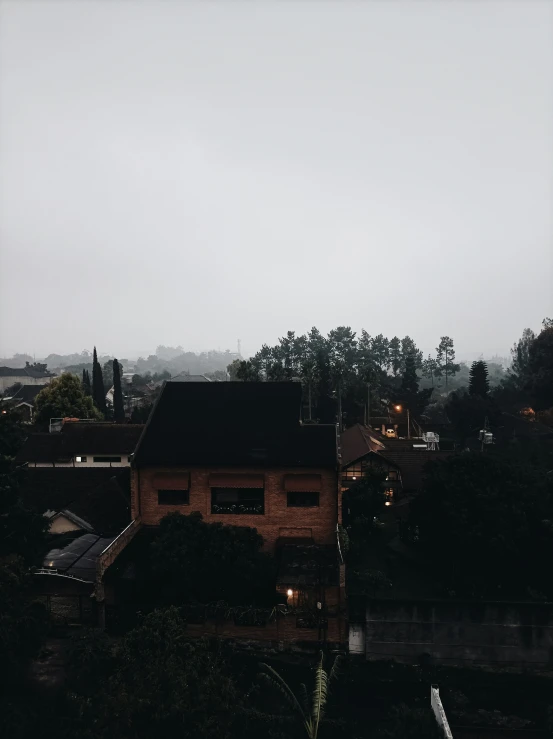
(272, 677)
(319, 695)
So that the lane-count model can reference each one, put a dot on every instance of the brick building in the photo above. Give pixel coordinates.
(238, 454)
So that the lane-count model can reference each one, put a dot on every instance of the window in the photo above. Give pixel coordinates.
(354, 472)
(245, 501)
(80, 459)
(107, 459)
(303, 500)
(173, 497)
(392, 475)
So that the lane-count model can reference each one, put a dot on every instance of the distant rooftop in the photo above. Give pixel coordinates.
(185, 377)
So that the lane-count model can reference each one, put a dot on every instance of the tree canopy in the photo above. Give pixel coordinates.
(197, 562)
(485, 520)
(64, 397)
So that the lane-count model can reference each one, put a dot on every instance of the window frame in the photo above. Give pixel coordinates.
(101, 459)
(164, 491)
(292, 493)
(257, 499)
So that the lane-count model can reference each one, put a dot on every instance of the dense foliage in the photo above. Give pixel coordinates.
(197, 562)
(343, 373)
(64, 397)
(486, 522)
(153, 683)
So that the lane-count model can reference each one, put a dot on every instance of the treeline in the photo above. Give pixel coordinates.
(344, 374)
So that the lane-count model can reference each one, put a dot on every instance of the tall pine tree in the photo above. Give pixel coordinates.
(98, 391)
(478, 379)
(118, 408)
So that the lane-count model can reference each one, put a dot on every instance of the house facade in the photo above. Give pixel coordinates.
(82, 444)
(9, 376)
(238, 454)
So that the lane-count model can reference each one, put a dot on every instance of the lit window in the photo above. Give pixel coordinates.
(244, 501)
(80, 459)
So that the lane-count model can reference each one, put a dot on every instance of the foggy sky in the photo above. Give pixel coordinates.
(194, 173)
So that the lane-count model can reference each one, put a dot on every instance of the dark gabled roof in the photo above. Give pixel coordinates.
(27, 394)
(42, 448)
(23, 372)
(411, 464)
(357, 441)
(80, 438)
(99, 496)
(233, 423)
(101, 438)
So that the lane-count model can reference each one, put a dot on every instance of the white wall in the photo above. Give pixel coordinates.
(6, 382)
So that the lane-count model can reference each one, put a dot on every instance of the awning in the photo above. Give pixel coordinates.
(302, 483)
(230, 480)
(172, 480)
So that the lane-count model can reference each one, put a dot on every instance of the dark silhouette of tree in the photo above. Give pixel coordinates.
(540, 369)
(445, 358)
(485, 520)
(86, 383)
(409, 380)
(64, 397)
(430, 369)
(118, 408)
(478, 379)
(98, 390)
(195, 561)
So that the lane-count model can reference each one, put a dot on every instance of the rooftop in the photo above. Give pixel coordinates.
(24, 372)
(80, 438)
(234, 423)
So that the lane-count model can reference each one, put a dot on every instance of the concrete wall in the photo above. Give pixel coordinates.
(277, 521)
(460, 632)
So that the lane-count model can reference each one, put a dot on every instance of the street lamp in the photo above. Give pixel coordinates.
(398, 408)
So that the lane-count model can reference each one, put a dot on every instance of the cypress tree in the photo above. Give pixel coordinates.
(478, 379)
(86, 383)
(118, 409)
(98, 391)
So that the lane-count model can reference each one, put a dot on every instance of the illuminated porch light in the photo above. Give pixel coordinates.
(354, 478)
(388, 503)
(398, 407)
(289, 593)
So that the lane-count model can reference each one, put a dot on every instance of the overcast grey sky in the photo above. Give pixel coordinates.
(194, 173)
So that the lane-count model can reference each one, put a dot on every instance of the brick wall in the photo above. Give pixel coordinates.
(277, 521)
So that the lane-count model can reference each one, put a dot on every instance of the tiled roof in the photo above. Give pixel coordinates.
(234, 423)
(357, 441)
(96, 495)
(81, 438)
(27, 393)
